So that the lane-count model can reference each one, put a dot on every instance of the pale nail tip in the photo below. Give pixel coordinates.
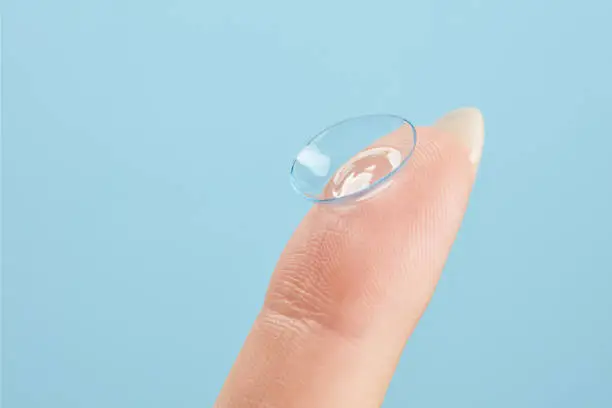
(468, 124)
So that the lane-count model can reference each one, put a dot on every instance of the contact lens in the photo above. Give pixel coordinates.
(352, 158)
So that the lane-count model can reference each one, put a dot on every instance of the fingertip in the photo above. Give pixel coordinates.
(467, 125)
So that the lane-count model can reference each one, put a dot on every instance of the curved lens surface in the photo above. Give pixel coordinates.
(352, 157)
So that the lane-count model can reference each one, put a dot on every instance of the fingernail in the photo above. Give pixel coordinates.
(468, 125)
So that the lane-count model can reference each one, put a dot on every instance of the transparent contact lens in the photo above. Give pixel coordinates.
(352, 158)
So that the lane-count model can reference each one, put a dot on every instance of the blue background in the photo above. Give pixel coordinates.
(146, 146)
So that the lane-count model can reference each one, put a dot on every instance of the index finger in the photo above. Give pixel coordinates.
(353, 282)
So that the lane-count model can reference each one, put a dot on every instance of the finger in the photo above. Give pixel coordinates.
(353, 282)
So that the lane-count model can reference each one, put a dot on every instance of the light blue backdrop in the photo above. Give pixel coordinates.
(146, 195)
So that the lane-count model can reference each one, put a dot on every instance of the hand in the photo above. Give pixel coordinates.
(353, 282)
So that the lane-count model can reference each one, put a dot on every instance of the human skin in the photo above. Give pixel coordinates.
(354, 279)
